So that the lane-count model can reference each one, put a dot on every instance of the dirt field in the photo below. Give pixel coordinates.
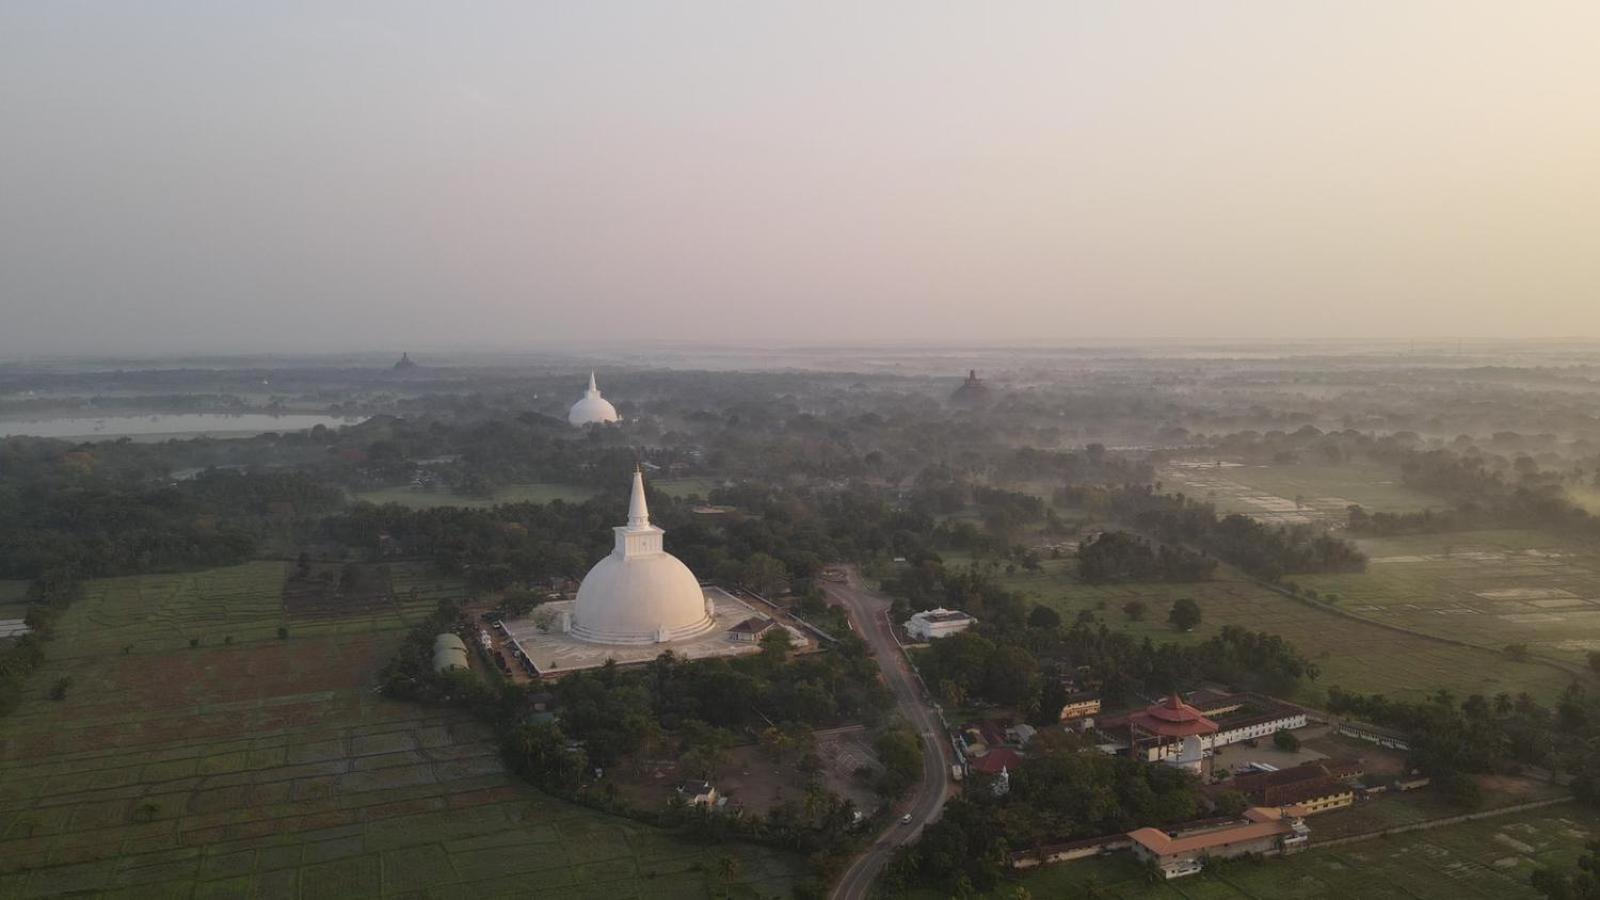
(1375, 760)
(756, 782)
(843, 751)
(270, 768)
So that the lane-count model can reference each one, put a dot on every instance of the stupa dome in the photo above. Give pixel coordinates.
(640, 594)
(972, 391)
(592, 407)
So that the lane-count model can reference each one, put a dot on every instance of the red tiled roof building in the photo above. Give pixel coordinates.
(1170, 722)
(1172, 719)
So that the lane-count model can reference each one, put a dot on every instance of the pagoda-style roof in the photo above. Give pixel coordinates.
(1172, 718)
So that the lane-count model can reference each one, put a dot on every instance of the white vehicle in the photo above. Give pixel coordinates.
(905, 819)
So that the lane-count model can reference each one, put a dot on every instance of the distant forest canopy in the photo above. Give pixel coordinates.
(1483, 496)
(1040, 399)
(92, 512)
(111, 507)
(820, 466)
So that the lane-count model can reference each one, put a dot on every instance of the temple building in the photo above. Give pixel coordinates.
(640, 593)
(972, 391)
(638, 602)
(1184, 734)
(592, 407)
(1171, 731)
(931, 624)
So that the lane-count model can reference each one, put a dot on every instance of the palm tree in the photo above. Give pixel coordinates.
(1502, 704)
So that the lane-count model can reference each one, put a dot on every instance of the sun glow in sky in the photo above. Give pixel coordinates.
(324, 176)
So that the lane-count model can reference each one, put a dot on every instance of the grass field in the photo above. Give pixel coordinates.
(270, 768)
(1491, 858)
(1488, 587)
(1353, 655)
(155, 613)
(522, 493)
(1269, 492)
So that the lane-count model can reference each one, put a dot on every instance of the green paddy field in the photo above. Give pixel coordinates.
(254, 766)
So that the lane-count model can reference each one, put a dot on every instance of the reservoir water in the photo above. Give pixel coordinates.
(168, 425)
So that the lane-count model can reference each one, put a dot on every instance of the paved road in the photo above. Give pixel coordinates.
(867, 611)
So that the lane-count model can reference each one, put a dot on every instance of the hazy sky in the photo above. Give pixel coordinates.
(218, 175)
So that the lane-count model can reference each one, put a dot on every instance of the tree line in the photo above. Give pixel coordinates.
(1122, 556)
(1265, 551)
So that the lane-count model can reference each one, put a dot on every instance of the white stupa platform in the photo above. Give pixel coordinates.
(553, 652)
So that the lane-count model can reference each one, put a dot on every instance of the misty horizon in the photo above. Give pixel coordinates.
(317, 178)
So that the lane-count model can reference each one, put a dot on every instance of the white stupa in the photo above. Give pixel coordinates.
(592, 407)
(640, 594)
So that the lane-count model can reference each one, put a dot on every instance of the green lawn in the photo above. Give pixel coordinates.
(1488, 587)
(1490, 858)
(270, 768)
(157, 613)
(1354, 655)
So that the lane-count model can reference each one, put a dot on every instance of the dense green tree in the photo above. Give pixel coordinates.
(1044, 617)
(1185, 614)
(900, 753)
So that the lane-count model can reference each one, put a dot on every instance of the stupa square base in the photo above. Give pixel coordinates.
(553, 652)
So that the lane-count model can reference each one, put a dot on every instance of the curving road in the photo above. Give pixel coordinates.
(868, 611)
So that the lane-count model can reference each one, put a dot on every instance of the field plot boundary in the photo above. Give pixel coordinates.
(270, 766)
(1532, 659)
(1439, 823)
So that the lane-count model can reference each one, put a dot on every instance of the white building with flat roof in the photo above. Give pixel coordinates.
(937, 623)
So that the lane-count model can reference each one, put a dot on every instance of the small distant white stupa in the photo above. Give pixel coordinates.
(640, 594)
(592, 407)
